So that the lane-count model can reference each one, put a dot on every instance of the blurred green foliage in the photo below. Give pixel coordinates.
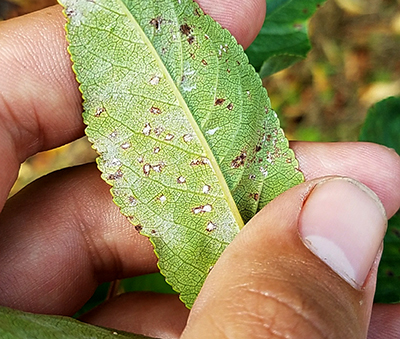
(382, 126)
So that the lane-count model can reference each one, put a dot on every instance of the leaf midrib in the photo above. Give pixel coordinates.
(189, 117)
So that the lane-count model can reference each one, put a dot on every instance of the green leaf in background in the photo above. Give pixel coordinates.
(283, 39)
(20, 325)
(185, 130)
(382, 126)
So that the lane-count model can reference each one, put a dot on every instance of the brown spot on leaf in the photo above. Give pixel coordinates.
(204, 62)
(197, 162)
(99, 111)
(190, 40)
(146, 169)
(69, 12)
(138, 228)
(258, 148)
(185, 29)
(255, 196)
(219, 101)
(156, 22)
(239, 160)
(230, 107)
(155, 110)
(117, 175)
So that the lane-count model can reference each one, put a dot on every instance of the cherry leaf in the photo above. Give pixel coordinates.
(185, 131)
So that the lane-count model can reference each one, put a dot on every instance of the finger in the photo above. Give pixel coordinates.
(243, 19)
(152, 314)
(375, 166)
(301, 268)
(385, 322)
(62, 236)
(85, 240)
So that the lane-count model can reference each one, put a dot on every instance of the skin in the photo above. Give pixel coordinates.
(61, 236)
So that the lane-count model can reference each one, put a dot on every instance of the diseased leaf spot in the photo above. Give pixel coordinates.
(190, 40)
(99, 111)
(156, 150)
(147, 129)
(185, 29)
(156, 23)
(219, 102)
(197, 162)
(252, 177)
(69, 12)
(146, 169)
(230, 107)
(140, 160)
(126, 145)
(181, 180)
(155, 80)
(113, 134)
(202, 209)
(255, 196)
(155, 110)
(239, 160)
(187, 138)
(138, 228)
(211, 226)
(169, 137)
(115, 176)
(159, 167)
(204, 62)
(206, 189)
(258, 148)
(162, 198)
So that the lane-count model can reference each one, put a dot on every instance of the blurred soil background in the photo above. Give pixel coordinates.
(355, 62)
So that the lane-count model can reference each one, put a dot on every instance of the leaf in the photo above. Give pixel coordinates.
(20, 325)
(185, 130)
(382, 126)
(283, 39)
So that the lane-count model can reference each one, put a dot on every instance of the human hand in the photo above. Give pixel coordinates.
(61, 236)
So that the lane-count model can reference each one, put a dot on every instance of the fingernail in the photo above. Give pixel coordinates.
(343, 223)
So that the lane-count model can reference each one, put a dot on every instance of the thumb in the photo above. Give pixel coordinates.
(304, 267)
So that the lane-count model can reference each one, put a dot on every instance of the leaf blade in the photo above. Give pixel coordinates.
(182, 124)
(16, 324)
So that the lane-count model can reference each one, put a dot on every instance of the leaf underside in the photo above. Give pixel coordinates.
(184, 128)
